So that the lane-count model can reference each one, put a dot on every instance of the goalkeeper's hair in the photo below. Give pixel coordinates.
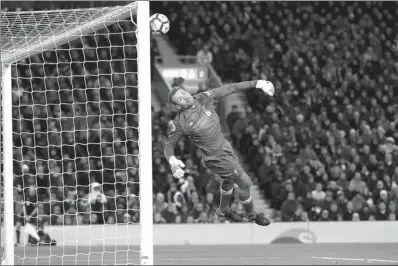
(172, 92)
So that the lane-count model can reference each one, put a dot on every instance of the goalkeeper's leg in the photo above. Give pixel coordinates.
(227, 166)
(224, 210)
(226, 189)
(244, 183)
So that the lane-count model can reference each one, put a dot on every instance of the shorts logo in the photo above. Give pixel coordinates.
(235, 172)
(190, 124)
(207, 93)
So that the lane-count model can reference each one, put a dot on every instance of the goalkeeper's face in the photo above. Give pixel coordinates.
(183, 99)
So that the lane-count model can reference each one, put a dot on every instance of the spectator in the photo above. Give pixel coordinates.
(355, 217)
(365, 213)
(348, 212)
(204, 56)
(381, 213)
(289, 207)
(389, 147)
(97, 201)
(304, 217)
(383, 196)
(174, 196)
(333, 212)
(358, 202)
(210, 204)
(196, 211)
(392, 207)
(190, 220)
(160, 205)
(307, 202)
(238, 128)
(298, 214)
(203, 218)
(158, 219)
(170, 213)
(324, 216)
(318, 194)
(357, 184)
(232, 116)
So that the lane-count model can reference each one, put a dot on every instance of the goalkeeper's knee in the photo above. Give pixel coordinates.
(244, 182)
(227, 185)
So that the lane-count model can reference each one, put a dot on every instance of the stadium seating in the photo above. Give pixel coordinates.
(324, 147)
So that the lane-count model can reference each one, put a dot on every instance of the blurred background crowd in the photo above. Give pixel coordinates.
(324, 148)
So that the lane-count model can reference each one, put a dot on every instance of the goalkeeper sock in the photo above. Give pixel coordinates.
(247, 202)
(249, 207)
(227, 188)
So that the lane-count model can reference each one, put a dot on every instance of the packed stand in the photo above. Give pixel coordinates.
(323, 148)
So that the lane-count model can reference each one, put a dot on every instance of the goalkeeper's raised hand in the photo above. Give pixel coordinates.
(176, 167)
(266, 86)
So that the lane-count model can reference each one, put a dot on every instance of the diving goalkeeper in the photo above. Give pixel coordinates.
(199, 121)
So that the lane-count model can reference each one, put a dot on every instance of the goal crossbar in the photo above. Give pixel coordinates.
(18, 42)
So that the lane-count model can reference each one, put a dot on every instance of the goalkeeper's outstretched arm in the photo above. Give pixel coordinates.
(223, 91)
(176, 133)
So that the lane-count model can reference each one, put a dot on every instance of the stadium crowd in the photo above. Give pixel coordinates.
(322, 149)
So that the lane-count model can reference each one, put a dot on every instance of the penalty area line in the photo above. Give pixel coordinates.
(357, 259)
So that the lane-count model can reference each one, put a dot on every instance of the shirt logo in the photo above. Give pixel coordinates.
(207, 93)
(190, 124)
(203, 119)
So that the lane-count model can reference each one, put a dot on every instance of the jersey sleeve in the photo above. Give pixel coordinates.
(204, 97)
(223, 91)
(175, 134)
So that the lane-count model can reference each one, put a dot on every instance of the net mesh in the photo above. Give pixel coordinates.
(75, 133)
(26, 33)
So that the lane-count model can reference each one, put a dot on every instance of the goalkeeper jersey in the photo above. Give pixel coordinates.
(201, 122)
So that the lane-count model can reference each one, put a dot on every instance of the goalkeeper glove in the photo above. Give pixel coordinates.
(266, 86)
(176, 167)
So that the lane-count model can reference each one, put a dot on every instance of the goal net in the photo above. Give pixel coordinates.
(76, 110)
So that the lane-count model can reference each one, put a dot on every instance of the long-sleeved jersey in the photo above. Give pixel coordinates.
(201, 122)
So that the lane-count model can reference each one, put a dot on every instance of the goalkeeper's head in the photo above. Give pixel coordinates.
(178, 96)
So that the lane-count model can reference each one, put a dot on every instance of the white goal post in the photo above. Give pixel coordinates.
(30, 33)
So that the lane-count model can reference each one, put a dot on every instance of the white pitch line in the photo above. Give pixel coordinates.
(79, 261)
(229, 258)
(356, 259)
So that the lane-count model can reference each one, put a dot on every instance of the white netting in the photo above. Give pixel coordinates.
(26, 33)
(75, 127)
